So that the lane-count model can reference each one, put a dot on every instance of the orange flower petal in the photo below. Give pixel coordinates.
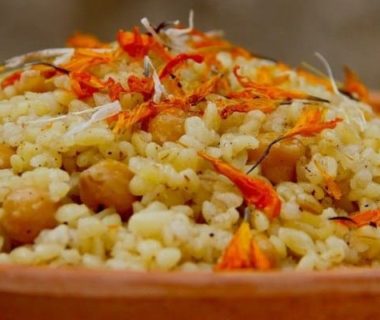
(267, 74)
(332, 187)
(359, 219)
(262, 104)
(127, 119)
(202, 91)
(260, 259)
(267, 91)
(86, 58)
(311, 123)
(114, 89)
(237, 254)
(354, 85)
(366, 217)
(141, 85)
(85, 84)
(177, 61)
(11, 79)
(243, 252)
(134, 43)
(255, 192)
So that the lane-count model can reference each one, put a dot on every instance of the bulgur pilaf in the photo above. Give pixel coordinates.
(173, 149)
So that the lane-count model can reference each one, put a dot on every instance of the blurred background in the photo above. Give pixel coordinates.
(344, 31)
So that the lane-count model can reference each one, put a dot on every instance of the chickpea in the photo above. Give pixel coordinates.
(27, 211)
(280, 163)
(6, 152)
(35, 83)
(106, 184)
(168, 126)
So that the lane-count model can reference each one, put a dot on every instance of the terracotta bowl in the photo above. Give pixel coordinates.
(38, 293)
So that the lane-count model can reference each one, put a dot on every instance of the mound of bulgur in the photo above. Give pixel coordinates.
(101, 158)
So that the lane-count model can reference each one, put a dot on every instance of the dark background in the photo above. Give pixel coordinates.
(344, 31)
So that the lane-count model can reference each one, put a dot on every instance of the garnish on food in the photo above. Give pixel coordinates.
(269, 91)
(256, 192)
(126, 119)
(84, 84)
(309, 124)
(355, 86)
(84, 59)
(11, 79)
(99, 144)
(243, 252)
(245, 105)
(137, 45)
(177, 61)
(134, 43)
(332, 187)
(359, 219)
